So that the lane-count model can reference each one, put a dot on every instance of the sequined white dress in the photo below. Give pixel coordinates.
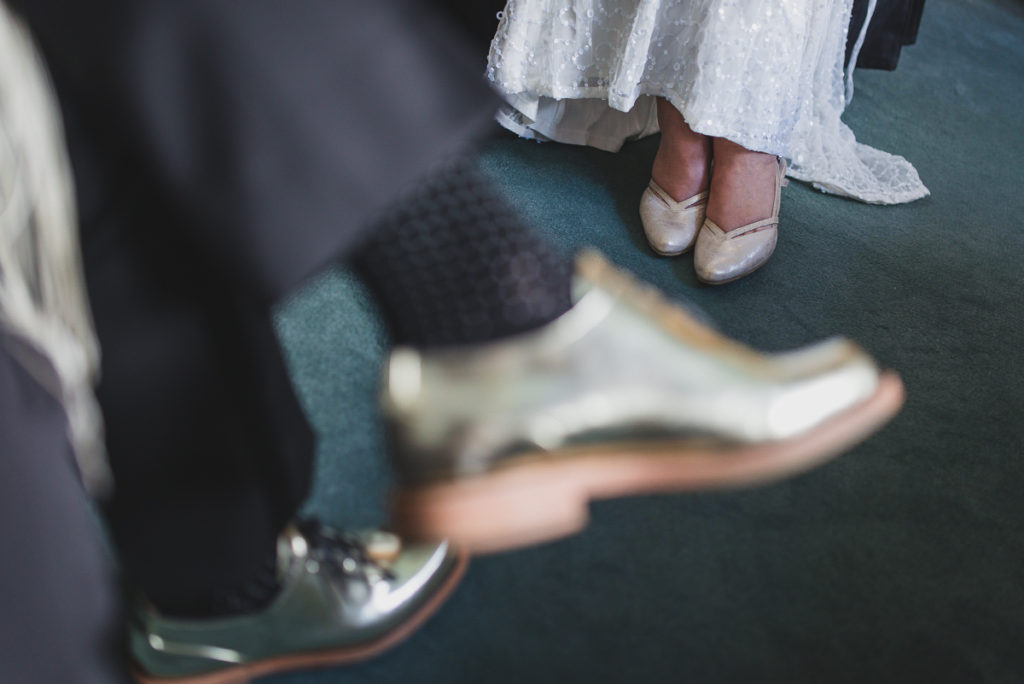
(767, 74)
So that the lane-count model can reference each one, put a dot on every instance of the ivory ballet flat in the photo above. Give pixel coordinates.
(721, 257)
(671, 227)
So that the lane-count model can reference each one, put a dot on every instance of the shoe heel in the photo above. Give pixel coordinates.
(494, 512)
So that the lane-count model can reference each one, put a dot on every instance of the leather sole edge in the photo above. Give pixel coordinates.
(544, 498)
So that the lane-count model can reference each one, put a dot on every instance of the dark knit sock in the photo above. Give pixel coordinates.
(249, 595)
(453, 263)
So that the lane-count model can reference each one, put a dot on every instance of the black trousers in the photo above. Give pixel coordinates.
(222, 153)
(209, 448)
(894, 24)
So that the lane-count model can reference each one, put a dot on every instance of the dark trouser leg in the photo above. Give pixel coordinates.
(210, 451)
(59, 602)
(268, 157)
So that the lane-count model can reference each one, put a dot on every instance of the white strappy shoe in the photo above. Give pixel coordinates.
(671, 227)
(722, 257)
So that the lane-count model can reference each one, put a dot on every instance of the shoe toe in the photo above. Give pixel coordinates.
(670, 232)
(665, 237)
(719, 258)
(422, 566)
(825, 380)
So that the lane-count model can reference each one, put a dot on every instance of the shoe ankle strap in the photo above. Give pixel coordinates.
(687, 203)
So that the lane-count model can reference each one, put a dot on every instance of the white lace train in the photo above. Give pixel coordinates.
(767, 74)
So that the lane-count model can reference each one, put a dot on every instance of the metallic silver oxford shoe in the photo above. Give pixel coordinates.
(501, 445)
(344, 598)
(671, 227)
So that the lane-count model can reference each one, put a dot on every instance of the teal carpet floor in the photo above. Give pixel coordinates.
(903, 561)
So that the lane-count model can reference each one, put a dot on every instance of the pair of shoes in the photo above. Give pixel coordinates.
(670, 226)
(502, 444)
(343, 598)
(721, 257)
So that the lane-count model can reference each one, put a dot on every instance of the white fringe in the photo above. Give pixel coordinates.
(42, 292)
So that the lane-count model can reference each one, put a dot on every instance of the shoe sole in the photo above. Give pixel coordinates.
(242, 674)
(670, 254)
(542, 497)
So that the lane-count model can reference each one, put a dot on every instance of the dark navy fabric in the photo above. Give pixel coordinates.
(59, 599)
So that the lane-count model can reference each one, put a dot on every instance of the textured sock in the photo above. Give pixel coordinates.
(249, 595)
(453, 264)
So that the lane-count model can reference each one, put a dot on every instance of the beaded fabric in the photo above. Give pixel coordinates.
(767, 74)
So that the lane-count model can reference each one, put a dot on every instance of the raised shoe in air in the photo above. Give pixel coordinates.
(500, 445)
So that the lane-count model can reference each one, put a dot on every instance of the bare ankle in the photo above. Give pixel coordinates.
(682, 164)
(743, 187)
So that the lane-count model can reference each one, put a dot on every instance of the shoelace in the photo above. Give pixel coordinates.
(341, 553)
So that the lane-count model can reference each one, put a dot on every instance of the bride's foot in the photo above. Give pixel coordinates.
(741, 227)
(682, 165)
(743, 187)
(672, 208)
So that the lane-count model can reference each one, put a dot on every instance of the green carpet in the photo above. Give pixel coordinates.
(903, 561)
